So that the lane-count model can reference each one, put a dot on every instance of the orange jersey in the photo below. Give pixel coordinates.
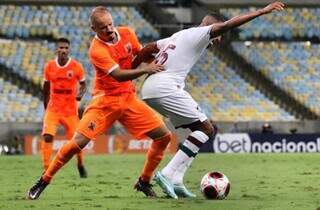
(106, 57)
(63, 86)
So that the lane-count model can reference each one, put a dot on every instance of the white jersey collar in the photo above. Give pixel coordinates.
(57, 63)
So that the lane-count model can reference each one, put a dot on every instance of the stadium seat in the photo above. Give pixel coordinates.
(225, 96)
(293, 66)
(18, 106)
(299, 22)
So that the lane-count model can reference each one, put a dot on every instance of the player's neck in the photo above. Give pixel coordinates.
(63, 61)
(112, 40)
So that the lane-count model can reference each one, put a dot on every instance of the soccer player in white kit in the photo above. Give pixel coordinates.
(165, 92)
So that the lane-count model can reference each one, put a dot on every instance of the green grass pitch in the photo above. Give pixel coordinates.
(258, 182)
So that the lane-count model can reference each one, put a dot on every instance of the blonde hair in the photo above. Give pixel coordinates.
(97, 11)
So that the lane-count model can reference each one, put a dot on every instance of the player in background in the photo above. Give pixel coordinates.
(61, 96)
(111, 53)
(165, 91)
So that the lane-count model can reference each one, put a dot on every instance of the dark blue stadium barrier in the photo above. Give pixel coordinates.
(263, 143)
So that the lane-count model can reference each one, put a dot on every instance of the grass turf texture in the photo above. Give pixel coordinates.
(258, 181)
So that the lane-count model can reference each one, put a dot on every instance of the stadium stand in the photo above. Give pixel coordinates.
(27, 58)
(299, 22)
(29, 32)
(225, 96)
(55, 21)
(292, 66)
(18, 106)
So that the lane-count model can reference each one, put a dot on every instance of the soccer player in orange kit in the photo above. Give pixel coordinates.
(60, 91)
(111, 53)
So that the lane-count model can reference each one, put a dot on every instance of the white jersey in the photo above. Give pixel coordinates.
(178, 54)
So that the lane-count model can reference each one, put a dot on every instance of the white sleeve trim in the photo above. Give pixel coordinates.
(162, 42)
(113, 68)
(84, 79)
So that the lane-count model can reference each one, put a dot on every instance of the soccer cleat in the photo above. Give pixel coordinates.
(37, 189)
(165, 184)
(145, 187)
(82, 172)
(182, 191)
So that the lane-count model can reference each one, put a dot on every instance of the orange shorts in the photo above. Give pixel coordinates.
(52, 120)
(137, 117)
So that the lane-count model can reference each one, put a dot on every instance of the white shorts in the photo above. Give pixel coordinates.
(179, 107)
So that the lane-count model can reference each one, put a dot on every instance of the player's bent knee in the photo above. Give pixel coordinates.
(158, 132)
(207, 128)
(81, 140)
(48, 138)
(215, 129)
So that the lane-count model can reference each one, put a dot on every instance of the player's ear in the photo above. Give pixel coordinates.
(93, 28)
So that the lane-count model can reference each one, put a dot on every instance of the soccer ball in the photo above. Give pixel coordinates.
(215, 185)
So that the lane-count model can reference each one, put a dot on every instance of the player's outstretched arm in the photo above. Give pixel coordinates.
(82, 90)
(46, 94)
(122, 75)
(220, 28)
(145, 54)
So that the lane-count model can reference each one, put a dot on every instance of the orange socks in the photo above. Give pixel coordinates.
(65, 153)
(46, 149)
(154, 156)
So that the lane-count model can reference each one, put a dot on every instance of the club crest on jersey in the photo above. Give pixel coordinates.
(128, 47)
(70, 74)
(91, 126)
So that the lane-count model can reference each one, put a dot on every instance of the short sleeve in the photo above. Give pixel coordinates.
(80, 73)
(136, 46)
(103, 61)
(200, 36)
(46, 76)
(162, 42)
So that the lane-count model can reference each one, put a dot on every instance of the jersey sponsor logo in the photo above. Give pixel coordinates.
(62, 91)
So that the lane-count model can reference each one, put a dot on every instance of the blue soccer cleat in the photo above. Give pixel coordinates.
(165, 184)
(182, 191)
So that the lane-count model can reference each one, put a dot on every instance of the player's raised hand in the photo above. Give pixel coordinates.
(154, 67)
(275, 6)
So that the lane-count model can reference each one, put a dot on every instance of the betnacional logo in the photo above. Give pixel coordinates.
(259, 143)
(232, 143)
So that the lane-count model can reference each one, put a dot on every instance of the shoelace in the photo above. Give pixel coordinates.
(36, 185)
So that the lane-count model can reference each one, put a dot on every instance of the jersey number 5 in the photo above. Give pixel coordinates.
(162, 57)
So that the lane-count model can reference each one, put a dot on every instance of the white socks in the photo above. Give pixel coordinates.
(182, 160)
